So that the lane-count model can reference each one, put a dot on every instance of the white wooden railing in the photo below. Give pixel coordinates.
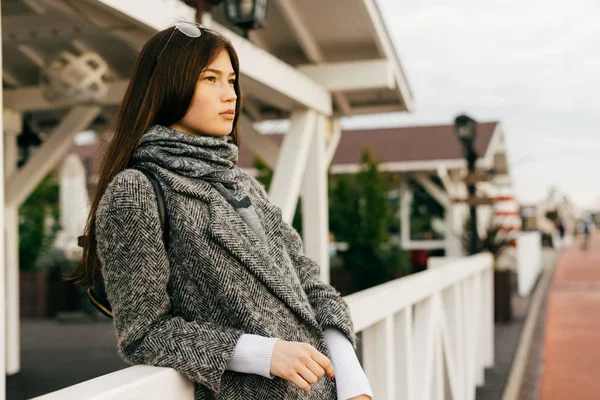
(427, 329)
(425, 336)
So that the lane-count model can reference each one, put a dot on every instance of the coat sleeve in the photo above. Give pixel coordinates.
(330, 308)
(136, 273)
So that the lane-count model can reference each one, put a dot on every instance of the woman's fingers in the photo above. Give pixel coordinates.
(308, 375)
(300, 382)
(323, 361)
(315, 368)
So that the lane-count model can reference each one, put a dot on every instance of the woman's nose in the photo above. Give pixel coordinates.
(229, 94)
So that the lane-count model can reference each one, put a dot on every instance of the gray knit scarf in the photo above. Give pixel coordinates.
(211, 158)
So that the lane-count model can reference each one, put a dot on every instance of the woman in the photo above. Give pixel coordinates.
(231, 302)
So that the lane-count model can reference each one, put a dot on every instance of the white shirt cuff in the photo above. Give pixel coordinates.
(350, 379)
(252, 355)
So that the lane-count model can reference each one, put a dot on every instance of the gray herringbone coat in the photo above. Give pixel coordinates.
(187, 308)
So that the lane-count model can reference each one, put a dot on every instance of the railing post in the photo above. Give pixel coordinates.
(453, 311)
(469, 337)
(425, 347)
(379, 358)
(405, 385)
(480, 331)
(489, 321)
(439, 382)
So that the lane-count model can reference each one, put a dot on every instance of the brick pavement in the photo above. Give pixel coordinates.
(507, 338)
(571, 365)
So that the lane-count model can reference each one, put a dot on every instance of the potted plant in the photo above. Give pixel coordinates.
(496, 242)
(43, 289)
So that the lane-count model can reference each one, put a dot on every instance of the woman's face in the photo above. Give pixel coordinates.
(212, 109)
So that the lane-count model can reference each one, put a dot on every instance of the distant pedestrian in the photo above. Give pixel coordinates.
(561, 228)
(585, 230)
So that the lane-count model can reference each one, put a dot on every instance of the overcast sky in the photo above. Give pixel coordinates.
(533, 65)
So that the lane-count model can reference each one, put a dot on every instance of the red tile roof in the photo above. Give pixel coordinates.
(418, 143)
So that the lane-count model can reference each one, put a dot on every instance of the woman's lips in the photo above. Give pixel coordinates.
(228, 114)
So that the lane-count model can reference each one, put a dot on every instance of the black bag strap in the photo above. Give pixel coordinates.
(160, 199)
(96, 292)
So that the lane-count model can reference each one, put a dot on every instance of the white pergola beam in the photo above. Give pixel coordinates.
(352, 75)
(376, 109)
(295, 22)
(26, 179)
(259, 144)
(266, 77)
(269, 71)
(10, 78)
(251, 109)
(33, 55)
(268, 150)
(35, 6)
(31, 98)
(80, 45)
(434, 190)
(255, 64)
(291, 163)
(449, 186)
(309, 45)
(22, 28)
(343, 104)
(386, 47)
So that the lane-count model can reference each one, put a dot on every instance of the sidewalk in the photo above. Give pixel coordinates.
(571, 368)
(507, 338)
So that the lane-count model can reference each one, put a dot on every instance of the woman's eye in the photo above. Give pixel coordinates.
(211, 78)
(232, 82)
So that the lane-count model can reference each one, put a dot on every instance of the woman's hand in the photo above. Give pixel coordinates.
(299, 363)
(361, 397)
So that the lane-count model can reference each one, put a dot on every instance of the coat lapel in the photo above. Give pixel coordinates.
(268, 263)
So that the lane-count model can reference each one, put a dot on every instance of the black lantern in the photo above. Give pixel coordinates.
(464, 127)
(466, 131)
(247, 14)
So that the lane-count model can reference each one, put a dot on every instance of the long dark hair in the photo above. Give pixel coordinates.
(160, 92)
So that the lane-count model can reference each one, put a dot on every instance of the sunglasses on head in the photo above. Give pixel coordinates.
(189, 29)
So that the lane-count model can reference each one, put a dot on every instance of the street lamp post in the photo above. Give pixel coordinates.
(466, 131)
(245, 14)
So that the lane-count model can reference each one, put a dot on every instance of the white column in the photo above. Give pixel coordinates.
(459, 212)
(406, 197)
(453, 235)
(315, 212)
(2, 265)
(12, 127)
(291, 163)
